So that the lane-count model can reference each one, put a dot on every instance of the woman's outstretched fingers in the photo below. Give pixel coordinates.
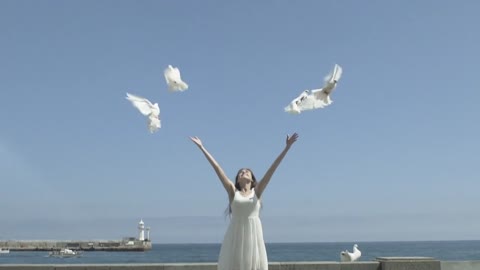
(196, 140)
(291, 139)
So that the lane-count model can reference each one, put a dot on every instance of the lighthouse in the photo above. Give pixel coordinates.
(141, 230)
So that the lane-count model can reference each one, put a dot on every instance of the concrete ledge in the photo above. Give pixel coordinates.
(184, 266)
(384, 263)
(196, 266)
(460, 265)
(324, 266)
(409, 263)
(360, 266)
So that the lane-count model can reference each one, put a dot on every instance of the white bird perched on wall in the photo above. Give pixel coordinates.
(152, 111)
(346, 256)
(317, 98)
(174, 80)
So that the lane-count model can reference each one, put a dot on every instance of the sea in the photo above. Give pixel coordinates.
(276, 252)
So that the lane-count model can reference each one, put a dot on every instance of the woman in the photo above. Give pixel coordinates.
(243, 247)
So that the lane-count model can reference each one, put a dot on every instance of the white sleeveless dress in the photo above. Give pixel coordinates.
(243, 247)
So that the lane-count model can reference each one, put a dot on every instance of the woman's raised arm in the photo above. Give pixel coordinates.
(227, 184)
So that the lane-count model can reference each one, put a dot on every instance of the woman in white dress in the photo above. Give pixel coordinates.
(243, 247)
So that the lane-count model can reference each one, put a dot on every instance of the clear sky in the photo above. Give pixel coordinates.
(395, 157)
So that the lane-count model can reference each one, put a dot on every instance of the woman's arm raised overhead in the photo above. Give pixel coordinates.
(268, 175)
(227, 184)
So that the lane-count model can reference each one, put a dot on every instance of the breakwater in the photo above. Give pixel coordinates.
(93, 245)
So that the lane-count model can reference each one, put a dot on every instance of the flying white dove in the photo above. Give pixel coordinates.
(174, 80)
(346, 256)
(317, 98)
(152, 111)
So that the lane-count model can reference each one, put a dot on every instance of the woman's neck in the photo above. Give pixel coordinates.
(245, 189)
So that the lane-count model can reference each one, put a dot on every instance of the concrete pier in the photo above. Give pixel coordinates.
(127, 244)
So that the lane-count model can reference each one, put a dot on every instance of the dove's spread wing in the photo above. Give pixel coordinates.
(311, 102)
(142, 104)
(172, 74)
(356, 254)
(322, 95)
(294, 106)
(318, 98)
(174, 80)
(332, 79)
(334, 75)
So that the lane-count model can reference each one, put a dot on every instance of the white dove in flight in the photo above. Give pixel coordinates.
(152, 111)
(174, 80)
(317, 98)
(346, 256)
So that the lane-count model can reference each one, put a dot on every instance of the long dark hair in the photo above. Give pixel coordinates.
(228, 211)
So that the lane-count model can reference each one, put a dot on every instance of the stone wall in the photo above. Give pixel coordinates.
(398, 263)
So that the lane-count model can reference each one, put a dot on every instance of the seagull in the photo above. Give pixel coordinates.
(317, 98)
(346, 256)
(152, 111)
(174, 80)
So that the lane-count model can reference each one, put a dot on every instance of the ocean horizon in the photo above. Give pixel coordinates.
(461, 250)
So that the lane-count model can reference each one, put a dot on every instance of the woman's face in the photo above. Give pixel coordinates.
(244, 175)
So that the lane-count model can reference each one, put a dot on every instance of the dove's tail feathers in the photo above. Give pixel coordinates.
(154, 124)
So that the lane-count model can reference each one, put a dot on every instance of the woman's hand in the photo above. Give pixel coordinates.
(291, 139)
(197, 141)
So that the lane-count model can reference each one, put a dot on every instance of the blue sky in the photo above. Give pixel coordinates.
(395, 157)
